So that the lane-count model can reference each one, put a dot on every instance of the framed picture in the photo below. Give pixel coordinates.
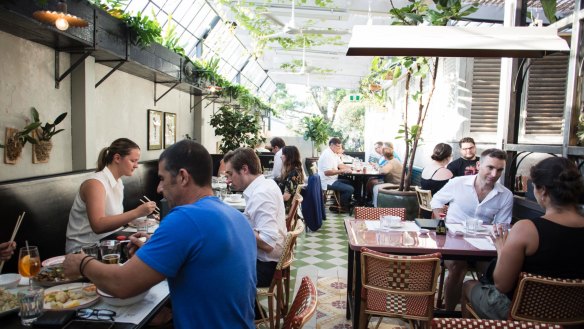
(154, 130)
(169, 129)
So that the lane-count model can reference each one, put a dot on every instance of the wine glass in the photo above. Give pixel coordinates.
(29, 263)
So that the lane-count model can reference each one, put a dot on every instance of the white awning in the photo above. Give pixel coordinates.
(454, 41)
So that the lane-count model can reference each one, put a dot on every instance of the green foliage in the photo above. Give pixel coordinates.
(316, 129)
(170, 40)
(238, 128)
(147, 30)
(549, 9)
(23, 136)
(48, 130)
(580, 132)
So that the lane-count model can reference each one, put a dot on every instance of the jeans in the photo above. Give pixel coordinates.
(345, 188)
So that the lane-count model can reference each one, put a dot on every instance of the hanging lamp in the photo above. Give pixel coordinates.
(59, 18)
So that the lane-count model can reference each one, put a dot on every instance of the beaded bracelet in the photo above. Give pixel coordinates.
(81, 264)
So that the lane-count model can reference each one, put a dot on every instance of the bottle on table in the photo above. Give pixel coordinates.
(441, 227)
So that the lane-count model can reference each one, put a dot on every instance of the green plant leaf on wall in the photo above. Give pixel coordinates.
(549, 9)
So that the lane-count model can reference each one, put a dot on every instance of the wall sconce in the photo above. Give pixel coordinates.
(60, 18)
(213, 89)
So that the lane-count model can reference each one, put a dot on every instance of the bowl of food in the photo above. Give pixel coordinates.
(114, 301)
(9, 280)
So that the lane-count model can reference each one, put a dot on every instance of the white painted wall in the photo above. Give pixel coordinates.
(117, 108)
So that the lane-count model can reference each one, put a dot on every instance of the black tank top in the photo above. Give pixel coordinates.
(559, 254)
(431, 184)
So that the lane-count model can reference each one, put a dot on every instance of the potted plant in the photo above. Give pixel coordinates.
(316, 130)
(415, 71)
(15, 141)
(238, 128)
(42, 144)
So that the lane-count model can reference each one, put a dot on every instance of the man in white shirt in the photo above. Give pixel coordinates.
(329, 168)
(264, 209)
(477, 196)
(277, 144)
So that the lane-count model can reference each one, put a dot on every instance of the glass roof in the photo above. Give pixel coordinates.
(196, 21)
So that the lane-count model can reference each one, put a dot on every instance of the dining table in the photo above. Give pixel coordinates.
(133, 316)
(406, 239)
(359, 179)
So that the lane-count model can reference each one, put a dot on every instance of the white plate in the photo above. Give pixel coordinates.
(78, 286)
(139, 222)
(53, 261)
(12, 310)
(482, 229)
(233, 201)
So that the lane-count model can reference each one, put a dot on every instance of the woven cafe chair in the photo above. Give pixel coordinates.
(374, 213)
(303, 306)
(398, 286)
(447, 323)
(548, 300)
(292, 216)
(279, 289)
(424, 199)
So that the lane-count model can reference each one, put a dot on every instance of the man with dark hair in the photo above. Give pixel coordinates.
(264, 209)
(277, 144)
(201, 240)
(478, 196)
(466, 164)
(329, 168)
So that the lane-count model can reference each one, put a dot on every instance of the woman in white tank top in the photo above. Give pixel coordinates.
(98, 210)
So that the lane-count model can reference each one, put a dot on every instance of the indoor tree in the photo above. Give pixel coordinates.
(420, 72)
(237, 127)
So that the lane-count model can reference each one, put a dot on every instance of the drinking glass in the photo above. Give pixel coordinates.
(91, 250)
(31, 304)
(110, 251)
(471, 225)
(29, 263)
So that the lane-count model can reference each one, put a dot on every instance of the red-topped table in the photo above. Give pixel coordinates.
(400, 243)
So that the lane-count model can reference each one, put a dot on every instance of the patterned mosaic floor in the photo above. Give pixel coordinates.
(322, 256)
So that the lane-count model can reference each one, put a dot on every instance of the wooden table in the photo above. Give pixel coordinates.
(451, 247)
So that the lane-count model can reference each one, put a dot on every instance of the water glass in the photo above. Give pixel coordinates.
(471, 225)
(31, 302)
(384, 223)
(91, 250)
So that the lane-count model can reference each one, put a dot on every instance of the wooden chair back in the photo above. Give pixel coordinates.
(548, 300)
(448, 323)
(303, 306)
(369, 213)
(398, 286)
(424, 199)
(292, 216)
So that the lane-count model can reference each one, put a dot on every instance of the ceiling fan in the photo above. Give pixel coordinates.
(291, 28)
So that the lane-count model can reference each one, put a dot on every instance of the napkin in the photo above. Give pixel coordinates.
(480, 243)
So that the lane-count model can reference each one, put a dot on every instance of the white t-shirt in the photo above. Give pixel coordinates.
(266, 213)
(328, 160)
(79, 232)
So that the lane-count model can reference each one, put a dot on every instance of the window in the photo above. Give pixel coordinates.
(485, 95)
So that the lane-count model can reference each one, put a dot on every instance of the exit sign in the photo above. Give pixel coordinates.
(355, 98)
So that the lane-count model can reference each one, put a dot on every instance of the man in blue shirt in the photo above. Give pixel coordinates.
(205, 248)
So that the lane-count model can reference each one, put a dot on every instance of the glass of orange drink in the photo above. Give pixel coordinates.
(29, 262)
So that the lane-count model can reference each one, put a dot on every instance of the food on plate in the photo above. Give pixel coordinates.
(143, 239)
(63, 299)
(89, 290)
(8, 301)
(51, 274)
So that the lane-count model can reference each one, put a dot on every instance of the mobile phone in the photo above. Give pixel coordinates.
(89, 324)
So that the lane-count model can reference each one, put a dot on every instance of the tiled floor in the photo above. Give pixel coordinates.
(322, 256)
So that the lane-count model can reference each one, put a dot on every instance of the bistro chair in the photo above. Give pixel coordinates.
(369, 213)
(279, 289)
(424, 199)
(303, 306)
(292, 216)
(550, 300)
(333, 195)
(398, 286)
(546, 300)
(447, 323)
